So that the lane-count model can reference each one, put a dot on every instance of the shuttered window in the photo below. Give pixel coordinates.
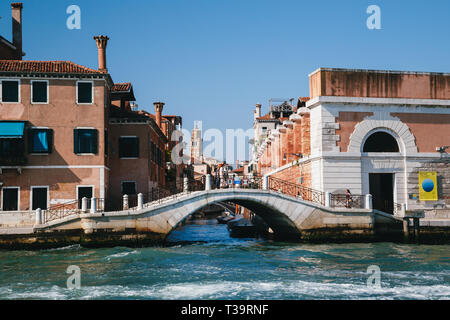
(129, 147)
(85, 141)
(39, 91)
(10, 90)
(40, 140)
(84, 92)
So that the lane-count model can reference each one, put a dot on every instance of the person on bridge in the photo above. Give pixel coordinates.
(348, 198)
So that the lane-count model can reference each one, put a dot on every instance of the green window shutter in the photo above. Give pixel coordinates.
(50, 140)
(94, 141)
(106, 143)
(30, 140)
(75, 141)
(137, 147)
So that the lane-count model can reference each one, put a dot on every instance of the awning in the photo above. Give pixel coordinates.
(12, 129)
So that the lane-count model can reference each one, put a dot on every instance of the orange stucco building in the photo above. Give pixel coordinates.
(67, 132)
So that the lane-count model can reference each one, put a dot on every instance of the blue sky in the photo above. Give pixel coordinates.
(213, 60)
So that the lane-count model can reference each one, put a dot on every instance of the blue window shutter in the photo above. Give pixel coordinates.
(40, 141)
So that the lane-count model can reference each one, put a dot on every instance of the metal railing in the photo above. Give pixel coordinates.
(196, 184)
(397, 208)
(347, 201)
(158, 194)
(243, 182)
(60, 211)
(296, 190)
(70, 208)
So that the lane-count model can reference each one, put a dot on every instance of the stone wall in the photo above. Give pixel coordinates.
(442, 168)
(297, 173)
(17, 219)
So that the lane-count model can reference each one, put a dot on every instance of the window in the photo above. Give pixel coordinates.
(153, 150)
(128, 187)
(84, 92)
(40, 141)
(10, 198)
(264, 129)
(39, 91)
(381, 142)
(10, 91)
(85, 141)
(39, 196)
(84, 192)
(129, 147)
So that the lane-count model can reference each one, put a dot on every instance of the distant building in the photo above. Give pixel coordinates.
(196, 145)
(137, 161)
(263, 126)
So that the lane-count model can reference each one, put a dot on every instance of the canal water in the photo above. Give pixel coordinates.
(203, 262)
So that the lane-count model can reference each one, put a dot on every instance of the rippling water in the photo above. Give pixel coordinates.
(205, 263)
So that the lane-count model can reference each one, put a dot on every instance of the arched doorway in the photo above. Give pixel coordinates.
(381, 185)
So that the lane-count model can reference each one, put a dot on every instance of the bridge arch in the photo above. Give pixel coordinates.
(281, 213)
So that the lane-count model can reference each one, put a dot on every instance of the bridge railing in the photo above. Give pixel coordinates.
(347, 201)
(237, 182)
(60, 211)
(196, 184)
(397, 208)
(388, 206)
(296, 190)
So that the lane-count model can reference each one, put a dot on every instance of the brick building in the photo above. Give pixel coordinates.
(373, 132)
(67, 132)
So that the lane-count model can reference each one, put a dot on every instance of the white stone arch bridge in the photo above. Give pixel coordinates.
(289, 217)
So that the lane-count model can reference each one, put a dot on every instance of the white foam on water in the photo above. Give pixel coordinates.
(121, 254)
(237, 290)
(71, 247)
(40, 293)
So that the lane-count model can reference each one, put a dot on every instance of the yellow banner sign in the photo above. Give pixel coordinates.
(428, 186)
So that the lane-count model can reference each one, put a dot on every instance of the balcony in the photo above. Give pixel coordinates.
(13, 161)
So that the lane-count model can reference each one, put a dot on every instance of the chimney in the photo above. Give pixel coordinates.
(17, 28)
(102, 42)
(158, 110)
(258, 111)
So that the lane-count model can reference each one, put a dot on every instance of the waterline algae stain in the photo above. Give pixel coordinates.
(203, 262)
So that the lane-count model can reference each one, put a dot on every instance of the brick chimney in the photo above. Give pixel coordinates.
(17, 28)
(102, 42)
(158, 110)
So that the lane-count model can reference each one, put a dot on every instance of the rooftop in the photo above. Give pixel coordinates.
(20, 66)
(121, 87)
(379, 84)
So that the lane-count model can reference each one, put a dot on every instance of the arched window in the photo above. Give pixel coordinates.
(381, 142)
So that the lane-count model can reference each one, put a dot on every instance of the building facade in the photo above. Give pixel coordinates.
(372, 132)
(68, 132)
(53, 120)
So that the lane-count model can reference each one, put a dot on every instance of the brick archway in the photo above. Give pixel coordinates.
(383, 121)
